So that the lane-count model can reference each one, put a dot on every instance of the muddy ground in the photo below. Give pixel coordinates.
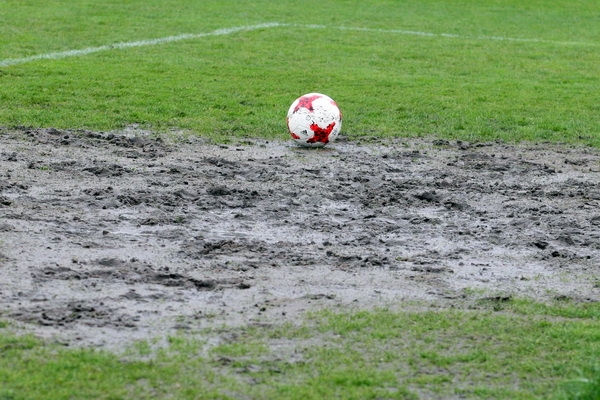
(106, 238)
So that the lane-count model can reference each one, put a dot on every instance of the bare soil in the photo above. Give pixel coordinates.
(107, 238)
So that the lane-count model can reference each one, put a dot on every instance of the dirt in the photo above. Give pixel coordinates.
(108, 238)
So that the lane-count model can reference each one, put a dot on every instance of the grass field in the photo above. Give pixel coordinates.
(487, 70)
(507, 350)
(473, 70)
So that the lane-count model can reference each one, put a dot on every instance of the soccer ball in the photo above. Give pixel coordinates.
(314, 120)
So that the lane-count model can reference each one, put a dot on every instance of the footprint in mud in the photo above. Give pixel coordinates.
(132, 273)
(78, 312)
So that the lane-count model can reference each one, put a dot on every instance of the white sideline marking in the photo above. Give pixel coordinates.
(140, 43)
(446, 35)
(228, 31)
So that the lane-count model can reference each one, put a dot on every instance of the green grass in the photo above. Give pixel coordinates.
(526, 350)
(585, 387)
(472, 87)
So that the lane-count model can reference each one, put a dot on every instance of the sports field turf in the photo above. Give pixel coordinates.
(471, 70)
(512, 70)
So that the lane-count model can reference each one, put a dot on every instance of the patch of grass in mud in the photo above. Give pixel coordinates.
(585, 387)
(30, 369)
(515, 353)
(525, 350)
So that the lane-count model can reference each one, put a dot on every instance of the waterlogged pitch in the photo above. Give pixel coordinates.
(151, 195)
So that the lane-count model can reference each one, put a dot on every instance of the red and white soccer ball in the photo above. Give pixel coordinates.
(314, 120)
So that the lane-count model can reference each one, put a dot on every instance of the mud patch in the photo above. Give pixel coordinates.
(107, 238)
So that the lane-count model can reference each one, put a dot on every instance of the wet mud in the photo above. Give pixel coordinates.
(107, 238)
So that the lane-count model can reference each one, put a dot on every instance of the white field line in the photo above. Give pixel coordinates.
(229, 31)
(445, 35)
(140, 43)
